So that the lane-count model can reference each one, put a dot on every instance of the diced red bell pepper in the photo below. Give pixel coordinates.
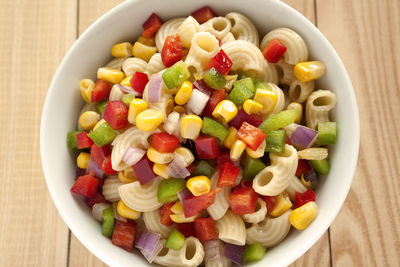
(270, 201)
(107, 166)
(172, 50)
(101, 91)
(216, 97)
(303, 167)
(228, 174)
(224, 156)
(83, 140)
(187, 229)
(203, 14)
(202, 86)
(144, 170)
(85, 185)
(164, 142)
(205, 229)
(287, 141)
(124, 234)
(252, 136)
(243, 200)
(165, 212)
(98, 198)
(139, 81)
(193, 205)
(116, 115)
(302, 198)
(98, 154)
(242, 116)
(274, 51)
(207, 147)
(151, 25)
(221, 62)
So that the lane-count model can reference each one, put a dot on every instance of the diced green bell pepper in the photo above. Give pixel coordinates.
(175, 241)
(214, 128)
(168, 189)
(254, 252)
(214, 79)
(249, 83)
(251, 168)
(175, 75)
(128, 98)
(320, 166)
(326, 133)
(276, 141)
(71, 140)
(261, 84)
(203, 168)
(242, 89)
(101, 106)
(108, 222)
(103, 134)
(279, 120)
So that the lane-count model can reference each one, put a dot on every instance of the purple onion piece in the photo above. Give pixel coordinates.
(212, 250)
(93, 167)
(234, 253)
(147, 241)
(303, 136)
(133, 155)
(184, 194)
(312, 177)
(155, 87)
(150, 256)
(177, 169)
(79, 172)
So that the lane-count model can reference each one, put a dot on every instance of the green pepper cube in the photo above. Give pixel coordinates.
(320, 166)
(327, 133)
(175, 241)
(214, 79)
(279, 120)
(71, 140)
(168, 189)
(214, 128)
(175, 75)
(249, 84)
(261, 84)
(108, 222)
(251, 168)
(275, 141)
(240, 93)
(127, 98)
(203, 168)
(254, 252)
(103, 134)
(101, 106)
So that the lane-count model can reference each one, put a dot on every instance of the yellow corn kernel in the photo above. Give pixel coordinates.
(158, 157)
(304, 182)
(86, 86)
(147, 41)
(177, 208)
(231, 137)
(191, 126)
(110, 75)
(149, 120)
(98, 124)
(267, 98)
(89, 119)
(226, 110)
(161, 170)
(143, 51)
(237, 149)
(179, 109)
(299, 108)
(136, 106)
(127, 176)
(282, 204)
(83, 160)
(301, 217)
(127, 212)
(199, 185)
(184, 92)
(255, 154)
(126, 81)
(308, 71)
(185, 155)
(252, 107)
(122, 50)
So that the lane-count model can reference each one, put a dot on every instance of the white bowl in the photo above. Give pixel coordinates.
(92, 50)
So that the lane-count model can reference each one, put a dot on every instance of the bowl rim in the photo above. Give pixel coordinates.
(85, 241)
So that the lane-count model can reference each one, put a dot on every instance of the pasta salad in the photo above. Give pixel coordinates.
(201, 144)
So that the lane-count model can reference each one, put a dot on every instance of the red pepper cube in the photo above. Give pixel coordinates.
(206, 147)
(303, 167)
(151, 25)
(83, 140)
(165, 212)
(287, 141)
(187, 229)
(99, 153)
(193, 205)
(224, 156)
(116, 115)
(302, 198)
(216, 97)
(101, 90)
(172, 50)
(107, 166)
(205, 229)
(252, 136)
(274, 51)
(243, 200)
(270, 201)
(124, 235)
(202, 87)
(139, 81)
(144, 170)
(98, 198)
(228, 174)
(85, 185)
(203, 14)
(221, 62)
(164, 142)
(242, 116)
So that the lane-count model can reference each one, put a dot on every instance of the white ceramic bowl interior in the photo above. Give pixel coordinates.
(122, 23)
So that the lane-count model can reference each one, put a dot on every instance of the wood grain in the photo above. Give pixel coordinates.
(366, 35)
(35, 37)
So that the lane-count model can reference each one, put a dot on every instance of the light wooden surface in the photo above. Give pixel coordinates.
(37, 34)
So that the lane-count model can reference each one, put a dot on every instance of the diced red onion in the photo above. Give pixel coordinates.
(177, 169)
(212, 251)
(132, 155)
(184, 194)
(234, 253)
(79, 172)
(97, 210)
(147, 241)
(116, 214)
(237, 163)
(127, 89)
(239, 177)
(197, 101)
(303, 136)
(150, 256)
(155, 87)
(312, 177)
(93, 167)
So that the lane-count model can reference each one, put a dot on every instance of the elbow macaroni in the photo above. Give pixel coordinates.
(294, 186)
(186, 31)
(243, 28)
(218, 26)
(110, 188)
(231, 229)
(152, 221)
(170, 27)
(299, 91)
(155, 64)
(132, 65)
(319, 103)
(258, 215)
(221, 203)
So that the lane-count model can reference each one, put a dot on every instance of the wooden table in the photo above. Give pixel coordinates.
(37, 34)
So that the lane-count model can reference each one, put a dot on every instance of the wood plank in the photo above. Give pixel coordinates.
(36, 36)
(366, 35)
